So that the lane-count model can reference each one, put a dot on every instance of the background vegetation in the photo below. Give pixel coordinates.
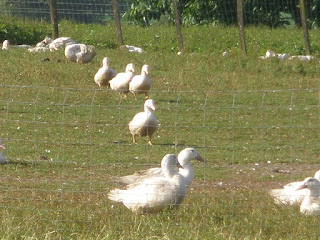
(256, 123)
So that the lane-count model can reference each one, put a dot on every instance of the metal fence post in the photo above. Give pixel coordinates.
(117, 22)
(178, 24)
(241, 26)
(54, 18)
(305, 27)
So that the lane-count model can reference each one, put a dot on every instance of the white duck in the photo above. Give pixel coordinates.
(144, 123)
(80, 53)
(60, 42)
(186, 170)
(104, 74)
(311, 203)
(2, 157)
(5, 45)
(45, 42)
(288, 194)
(155, 193)
(121, 81)
(141, 83)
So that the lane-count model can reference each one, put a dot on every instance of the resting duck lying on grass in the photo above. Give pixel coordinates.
(80, 53)
(288, 194)
(311, 203)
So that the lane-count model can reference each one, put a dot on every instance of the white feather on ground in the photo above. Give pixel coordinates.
(121, 81)
(80, 53)
(144, 123)
(104, 74)
(155, 193)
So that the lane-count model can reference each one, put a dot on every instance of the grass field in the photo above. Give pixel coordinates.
(255, 122)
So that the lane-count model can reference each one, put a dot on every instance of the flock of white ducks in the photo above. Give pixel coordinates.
(154, 189)
(306, 193)
(157, 188)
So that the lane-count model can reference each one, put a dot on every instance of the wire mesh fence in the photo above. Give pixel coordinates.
(65, 144)
(273, 14)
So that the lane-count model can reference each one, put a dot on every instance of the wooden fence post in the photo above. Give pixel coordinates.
(178, 25)
(117, 22)
(241, 26)
(304, 25)
(54, 18)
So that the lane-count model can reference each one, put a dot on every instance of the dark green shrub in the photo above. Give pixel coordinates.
(23, 31)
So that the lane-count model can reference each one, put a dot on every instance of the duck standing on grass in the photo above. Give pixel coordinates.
(104, 74)
(185, 170)
(144, 123)
(2, 157)
(141, 83)
(121, 81)
(153, 194)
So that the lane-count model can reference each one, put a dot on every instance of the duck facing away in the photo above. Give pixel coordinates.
(141, 83)
(104, 74)
(311, 203)
(121, 81)
(289, 195)
(155, 193)
(2, 157)
(144, 123)
(80, 53)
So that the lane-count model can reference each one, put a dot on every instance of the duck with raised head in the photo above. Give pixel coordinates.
(184, 158)
(141, 83)
(144, 123)
(288, 194)
(121, 81)
(153, 194)
(104, 74)
(311, 202)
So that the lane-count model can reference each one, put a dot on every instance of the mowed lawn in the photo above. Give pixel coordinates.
(256, 123)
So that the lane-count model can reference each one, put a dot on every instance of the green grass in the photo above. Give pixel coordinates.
(65, 138)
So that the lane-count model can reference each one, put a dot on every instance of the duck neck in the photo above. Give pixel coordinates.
(168, 172)
(315, 192)
(187, 172)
